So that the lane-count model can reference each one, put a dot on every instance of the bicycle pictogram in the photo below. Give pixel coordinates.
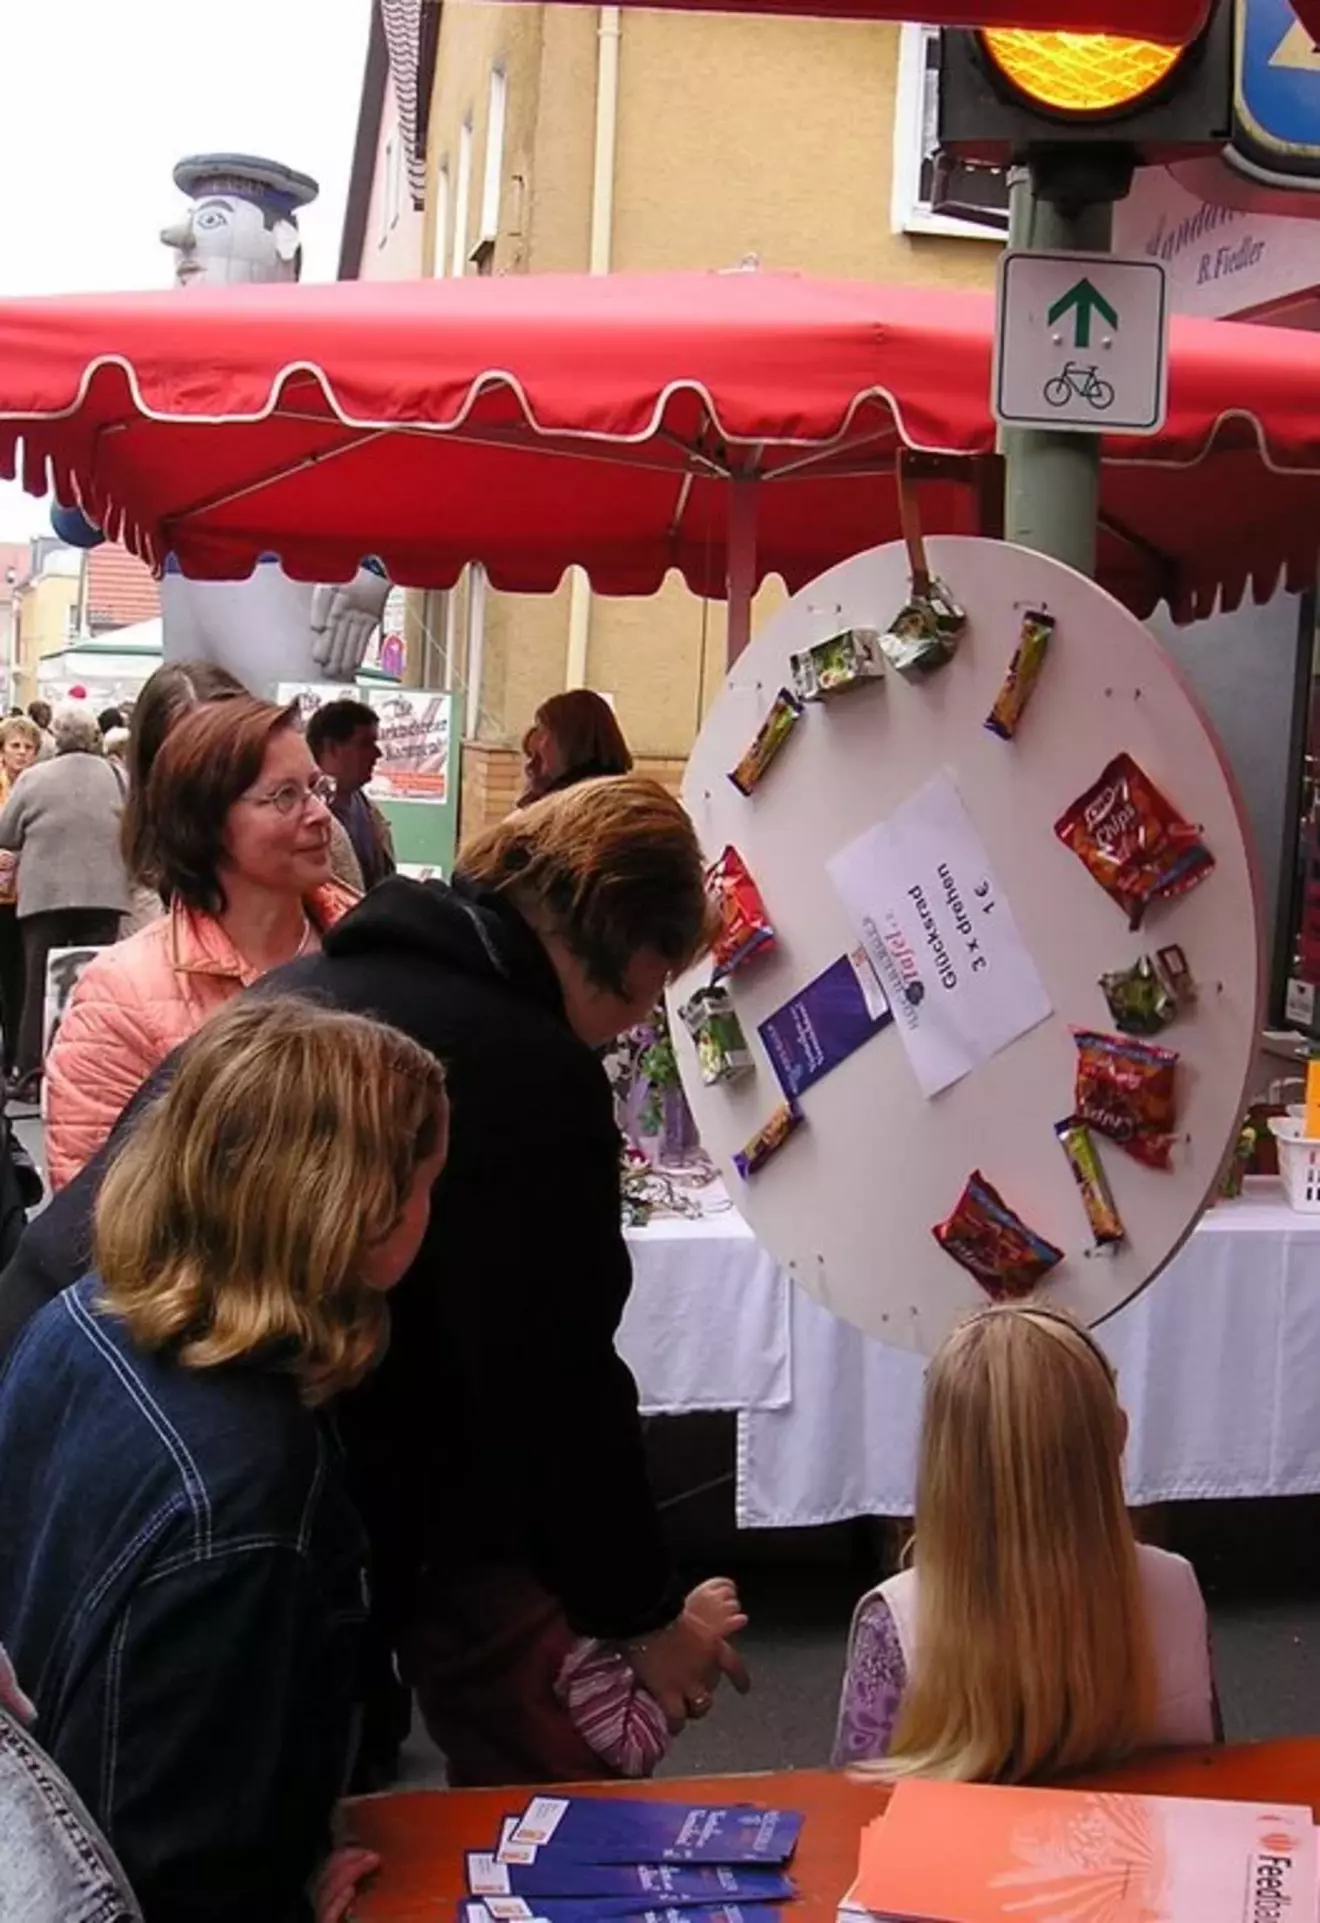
(1077, 382)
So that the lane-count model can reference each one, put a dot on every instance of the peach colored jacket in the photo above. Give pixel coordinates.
(133, 1004)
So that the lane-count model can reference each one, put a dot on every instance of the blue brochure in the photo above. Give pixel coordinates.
(825, 1022)
(606, 1830)
(620, 1888)
(516, 1909)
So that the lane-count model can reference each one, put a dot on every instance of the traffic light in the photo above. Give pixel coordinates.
(1006, 95)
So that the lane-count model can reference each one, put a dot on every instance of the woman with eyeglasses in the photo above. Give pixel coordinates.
(241, 851)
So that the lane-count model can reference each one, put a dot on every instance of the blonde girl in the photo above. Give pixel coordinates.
(184, 1578)
(1033, 1634)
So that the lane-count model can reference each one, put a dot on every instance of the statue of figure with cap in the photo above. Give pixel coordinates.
(242, 227)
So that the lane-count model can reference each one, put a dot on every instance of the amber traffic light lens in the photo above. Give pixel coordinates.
(1079, 73)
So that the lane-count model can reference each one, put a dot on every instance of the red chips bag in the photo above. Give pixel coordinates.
(1125, 1091)
(745, 928)
(1134, 842)
(1006, 1257)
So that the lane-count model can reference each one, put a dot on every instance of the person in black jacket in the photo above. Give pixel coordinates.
(497, 1454)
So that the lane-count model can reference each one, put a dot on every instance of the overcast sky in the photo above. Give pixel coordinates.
(102, 97)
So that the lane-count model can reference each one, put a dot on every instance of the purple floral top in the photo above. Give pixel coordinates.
(873, 1687)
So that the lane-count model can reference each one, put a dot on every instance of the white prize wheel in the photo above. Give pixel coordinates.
(849, 1202)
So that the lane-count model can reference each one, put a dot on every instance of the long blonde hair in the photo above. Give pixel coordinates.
(235, 1220)
(1033, 1653)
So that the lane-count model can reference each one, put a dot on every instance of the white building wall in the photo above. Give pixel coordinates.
(392, 244)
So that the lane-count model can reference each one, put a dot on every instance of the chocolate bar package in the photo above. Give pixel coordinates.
(768, 1139)
(1139, 998)
(1088, 1171)
(745, 928)
(1023, 673)
(1176, 975)
(825, 1022)
(923, 636)
(712, 1021)
(1125, 1090)
(1133, 840)
(785, 713)
(844, 661)
(1007, 1258)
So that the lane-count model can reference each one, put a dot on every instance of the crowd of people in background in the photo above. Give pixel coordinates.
(310, 1407)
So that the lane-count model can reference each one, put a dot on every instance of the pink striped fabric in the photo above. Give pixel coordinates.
(610, 1710)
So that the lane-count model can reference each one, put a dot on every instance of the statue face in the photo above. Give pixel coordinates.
(224, 240)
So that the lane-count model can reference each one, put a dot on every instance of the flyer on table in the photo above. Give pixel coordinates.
(597, 1830)
(496, 1909)
(933, 918)
(1085, 1854)
(621, 1886)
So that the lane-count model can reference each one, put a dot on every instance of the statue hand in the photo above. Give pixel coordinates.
(344, 616)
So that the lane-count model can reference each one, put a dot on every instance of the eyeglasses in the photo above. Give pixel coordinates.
(293, 798)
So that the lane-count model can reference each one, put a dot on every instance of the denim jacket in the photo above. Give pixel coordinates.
(55, 1866)
(182, 1591)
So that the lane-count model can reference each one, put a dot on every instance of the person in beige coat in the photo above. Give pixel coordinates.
(62, 821)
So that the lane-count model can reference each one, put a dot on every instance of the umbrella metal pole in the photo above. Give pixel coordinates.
(1052, 481)
(740, 576)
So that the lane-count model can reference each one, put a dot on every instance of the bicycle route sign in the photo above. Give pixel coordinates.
(1081, 342)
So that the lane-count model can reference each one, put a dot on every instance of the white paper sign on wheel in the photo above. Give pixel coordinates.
(925, 901)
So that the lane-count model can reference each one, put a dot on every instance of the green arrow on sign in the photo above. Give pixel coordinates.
(1084, 300)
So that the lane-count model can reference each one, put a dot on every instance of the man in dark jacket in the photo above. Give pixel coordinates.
(497, 1452)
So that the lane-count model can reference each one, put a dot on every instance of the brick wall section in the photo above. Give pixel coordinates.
(492, 782)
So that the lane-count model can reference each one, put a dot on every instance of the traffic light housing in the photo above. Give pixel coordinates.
(1006, 97)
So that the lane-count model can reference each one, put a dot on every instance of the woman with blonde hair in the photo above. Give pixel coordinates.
(184, 1577)
(1033, 1635)
(573, 737)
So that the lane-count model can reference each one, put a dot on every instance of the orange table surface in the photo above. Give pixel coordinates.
(423, 1835)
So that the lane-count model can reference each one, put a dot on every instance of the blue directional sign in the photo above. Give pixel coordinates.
(1277, 86)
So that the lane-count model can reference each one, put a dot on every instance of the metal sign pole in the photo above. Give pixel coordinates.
(1052, 480)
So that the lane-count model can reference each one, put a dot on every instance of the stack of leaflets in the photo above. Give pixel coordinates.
(583, 1859)
(1081, 1856)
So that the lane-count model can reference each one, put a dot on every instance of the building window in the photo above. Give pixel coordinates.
(492, 178)
(979, 194)
(462, 195)
(440, 238)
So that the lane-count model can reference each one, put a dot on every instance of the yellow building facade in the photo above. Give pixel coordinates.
(48, 611)
(586, 139)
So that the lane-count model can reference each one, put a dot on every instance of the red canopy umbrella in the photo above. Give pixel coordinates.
(531, 422)
(1173, 21)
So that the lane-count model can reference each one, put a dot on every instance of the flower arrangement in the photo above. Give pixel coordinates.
(648, 1093)
(658, 1067)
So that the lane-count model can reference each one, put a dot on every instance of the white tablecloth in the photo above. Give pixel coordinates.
(708, 1322)
(1218, 1363)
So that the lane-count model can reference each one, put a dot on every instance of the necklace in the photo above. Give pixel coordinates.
(308, 933)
